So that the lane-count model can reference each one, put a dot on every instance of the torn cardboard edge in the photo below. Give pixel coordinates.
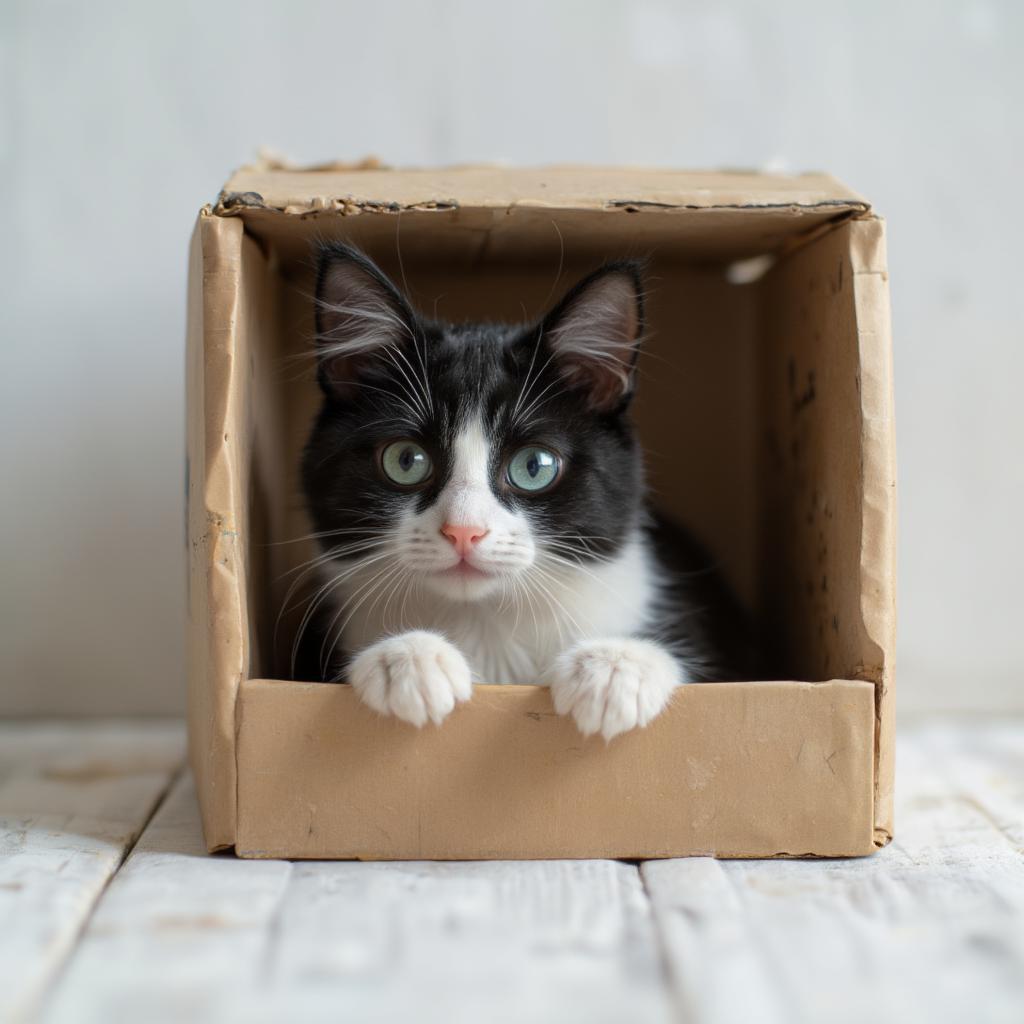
(367, 187)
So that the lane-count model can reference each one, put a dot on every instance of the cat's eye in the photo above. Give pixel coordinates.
(406, 463)
(533, 469)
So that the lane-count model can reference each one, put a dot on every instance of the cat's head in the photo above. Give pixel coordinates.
(472, 458)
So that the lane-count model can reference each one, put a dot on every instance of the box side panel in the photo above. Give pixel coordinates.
(730, 770)
(212, 293)
(827, 574)
(225, 299)
(812, 464)
(878, 439)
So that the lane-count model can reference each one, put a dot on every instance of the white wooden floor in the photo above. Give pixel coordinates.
(110, 910)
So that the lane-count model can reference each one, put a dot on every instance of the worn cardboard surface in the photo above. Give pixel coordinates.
(737, 769)
(508, 213)
(216, 632)
(723, 405)
(557, 187)
(828, 468)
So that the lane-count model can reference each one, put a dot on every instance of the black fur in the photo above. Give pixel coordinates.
(600, 495)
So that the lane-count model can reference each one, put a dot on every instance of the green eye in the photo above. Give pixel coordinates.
(406, 463)
(533, 469)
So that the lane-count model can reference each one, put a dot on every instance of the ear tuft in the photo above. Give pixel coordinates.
(359, 314)
(595, 331)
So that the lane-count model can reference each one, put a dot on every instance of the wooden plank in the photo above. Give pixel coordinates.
(931, 928)
(179, 935)
(488, 941)
(73, 798)
(97, 748)
(183, 936)
(983, 763)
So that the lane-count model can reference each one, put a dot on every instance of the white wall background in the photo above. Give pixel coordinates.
(120, 119)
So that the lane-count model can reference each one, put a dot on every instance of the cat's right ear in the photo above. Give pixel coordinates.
(359, 314)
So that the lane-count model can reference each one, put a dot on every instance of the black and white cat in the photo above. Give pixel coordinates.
(477, 494)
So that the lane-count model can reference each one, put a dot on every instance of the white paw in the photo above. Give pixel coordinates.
(609, 686)
(414, 676)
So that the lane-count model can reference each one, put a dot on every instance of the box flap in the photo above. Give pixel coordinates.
(562, 187)
(706, 216)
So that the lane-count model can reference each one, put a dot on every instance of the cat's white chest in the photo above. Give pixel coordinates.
(515, 638)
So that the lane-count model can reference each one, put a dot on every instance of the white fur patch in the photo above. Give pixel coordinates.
(415, 676)
(612, 685)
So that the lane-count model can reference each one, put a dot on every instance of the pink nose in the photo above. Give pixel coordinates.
(463, 537)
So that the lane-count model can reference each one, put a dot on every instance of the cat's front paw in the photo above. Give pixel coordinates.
(414, 676)
(610, 686)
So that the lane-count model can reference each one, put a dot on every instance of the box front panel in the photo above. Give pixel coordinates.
(730, 770)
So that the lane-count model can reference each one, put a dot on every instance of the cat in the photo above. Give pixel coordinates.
(477, 492)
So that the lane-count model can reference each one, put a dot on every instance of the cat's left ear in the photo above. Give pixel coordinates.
(594, 334)
(360, 314)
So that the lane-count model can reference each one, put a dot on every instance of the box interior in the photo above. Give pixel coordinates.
(746, 391)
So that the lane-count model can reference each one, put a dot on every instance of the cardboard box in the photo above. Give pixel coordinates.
(766, 409)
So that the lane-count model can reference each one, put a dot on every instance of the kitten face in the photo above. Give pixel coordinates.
(473, 459)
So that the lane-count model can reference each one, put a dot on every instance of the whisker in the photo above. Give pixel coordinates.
(292, 589)
(319, 534)
(321, 595)
(330, 628)
(367, 590)
(334, 554)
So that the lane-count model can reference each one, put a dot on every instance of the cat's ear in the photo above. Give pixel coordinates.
(359, 314)
(594, 334)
